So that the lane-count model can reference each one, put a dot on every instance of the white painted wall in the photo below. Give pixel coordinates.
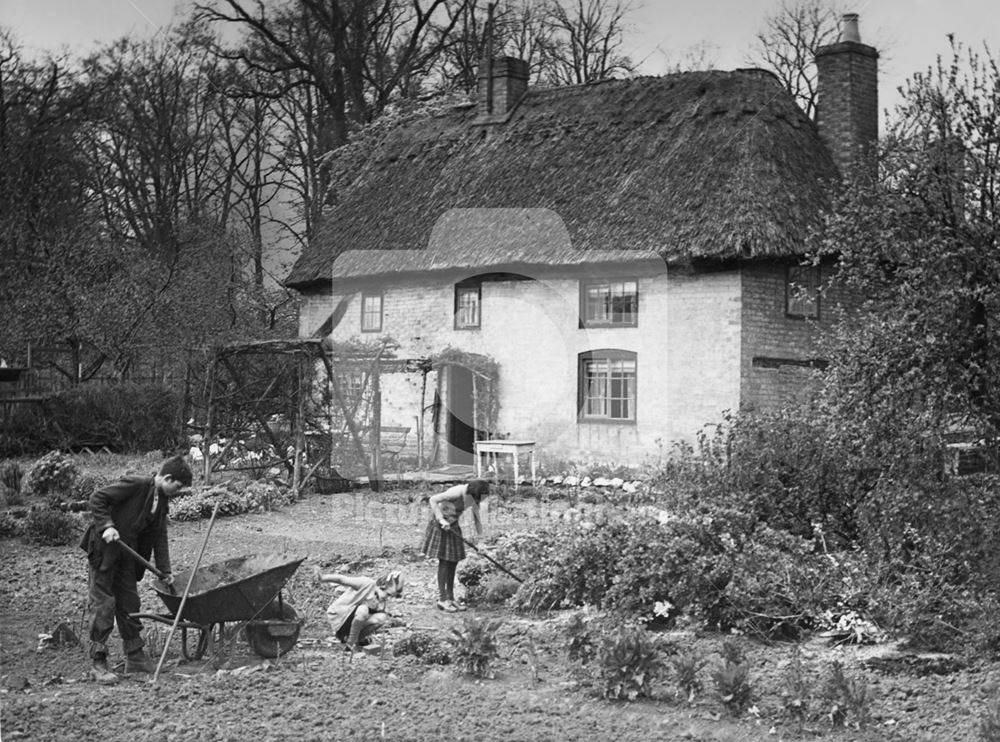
(687, 342)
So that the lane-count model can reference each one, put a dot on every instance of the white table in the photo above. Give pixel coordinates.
(496, 448)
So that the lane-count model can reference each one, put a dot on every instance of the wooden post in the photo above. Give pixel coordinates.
(376, 427)
(475, 410)
(331, 417)
(299, 434)
(420, 420)
(206, 445)
(348, 417)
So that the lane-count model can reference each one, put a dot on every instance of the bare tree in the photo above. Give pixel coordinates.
(173, 157)
(788, 42)
(519, 29)
(699, 56)
(333, 65)
(585, 41)
(154, 140)
(48, 222)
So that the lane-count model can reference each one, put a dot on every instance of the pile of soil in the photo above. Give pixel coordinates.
(320, 691)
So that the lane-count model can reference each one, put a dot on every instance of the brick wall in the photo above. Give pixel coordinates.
(509, 83)
(776, 348)
(847, 101)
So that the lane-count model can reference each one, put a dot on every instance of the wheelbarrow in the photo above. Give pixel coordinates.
(245, 590)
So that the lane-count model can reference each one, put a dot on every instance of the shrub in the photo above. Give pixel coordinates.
(424, 647)
(579, 642)
(53, 474)
(778, 586)
(471, 572)
(523, 552)
(754, 461)
(948, 524)
(687, 665)
(797, 693)
(705, 564)
(934, 615)
(234, 498)
(50, 527)
(84, 487)
(123, 416)
(474, 646)
(846, 699)
(627, 664)
(499, 589)
(989, 724)
(26, 433)
(10, 475)
(11, 525)
(538, 594)
(732, 679)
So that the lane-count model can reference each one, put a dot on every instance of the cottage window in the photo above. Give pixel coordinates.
(609, 303)
(802, 291)
(371, 312)
(606, 386)
(468, 299)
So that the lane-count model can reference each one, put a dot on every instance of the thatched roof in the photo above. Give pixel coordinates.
(697, 165)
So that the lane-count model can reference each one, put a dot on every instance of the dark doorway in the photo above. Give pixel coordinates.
(460, 430)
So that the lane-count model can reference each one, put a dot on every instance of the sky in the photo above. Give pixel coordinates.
(909, 34)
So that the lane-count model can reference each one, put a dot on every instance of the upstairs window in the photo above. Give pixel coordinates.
(606, 386)
(371, 312)
(802, 291)
(468, 300)
(609, 303)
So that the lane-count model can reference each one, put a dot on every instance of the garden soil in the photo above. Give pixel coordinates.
(319, 691)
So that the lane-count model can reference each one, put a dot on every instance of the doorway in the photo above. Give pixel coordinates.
(460, 433)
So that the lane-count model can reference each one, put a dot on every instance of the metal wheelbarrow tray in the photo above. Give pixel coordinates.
(244, 589)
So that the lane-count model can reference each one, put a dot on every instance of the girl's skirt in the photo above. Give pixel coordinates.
(446, 546)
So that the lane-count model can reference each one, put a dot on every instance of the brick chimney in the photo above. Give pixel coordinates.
(502, 83)
(847, 108)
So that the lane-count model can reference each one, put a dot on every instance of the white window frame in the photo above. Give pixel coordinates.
(368, 312)
(468, 305)
(607, 386)
(603, 303)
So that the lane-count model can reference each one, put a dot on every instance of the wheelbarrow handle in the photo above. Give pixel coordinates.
(145, 562)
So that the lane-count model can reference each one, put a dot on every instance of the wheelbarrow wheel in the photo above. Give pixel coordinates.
(272, 640)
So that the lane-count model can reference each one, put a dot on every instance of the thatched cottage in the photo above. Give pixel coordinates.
(611, 266)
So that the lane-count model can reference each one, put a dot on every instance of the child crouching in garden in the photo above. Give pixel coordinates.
(360, 606)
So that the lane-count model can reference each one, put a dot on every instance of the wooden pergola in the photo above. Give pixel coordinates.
(291, 394)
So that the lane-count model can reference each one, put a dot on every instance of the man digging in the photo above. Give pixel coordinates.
(132, 512)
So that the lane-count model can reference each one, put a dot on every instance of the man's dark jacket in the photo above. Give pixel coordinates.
(127, 505)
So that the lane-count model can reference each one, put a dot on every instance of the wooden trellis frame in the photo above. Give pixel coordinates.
(309, 359)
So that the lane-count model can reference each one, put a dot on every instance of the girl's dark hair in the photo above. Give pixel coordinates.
(478, 489)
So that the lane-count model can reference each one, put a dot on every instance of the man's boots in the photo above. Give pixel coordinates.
(99, 671)
(138, 661)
